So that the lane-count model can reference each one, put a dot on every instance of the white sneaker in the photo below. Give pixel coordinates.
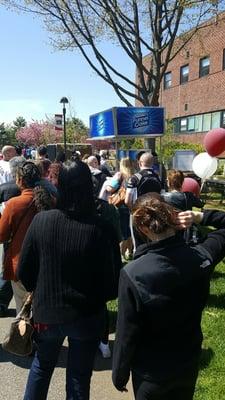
(105, 350)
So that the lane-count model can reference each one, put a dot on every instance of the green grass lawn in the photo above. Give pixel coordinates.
(211, 380)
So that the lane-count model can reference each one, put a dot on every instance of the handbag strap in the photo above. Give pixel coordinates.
(26, 308)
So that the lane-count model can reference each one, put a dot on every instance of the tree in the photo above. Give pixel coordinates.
(140, 28)
(20, 122)
(76, 131)
(131, 144)
(38, 133)
(7, 135)
(169, 144)
(2, 134)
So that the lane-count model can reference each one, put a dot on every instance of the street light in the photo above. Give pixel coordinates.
(64, 101)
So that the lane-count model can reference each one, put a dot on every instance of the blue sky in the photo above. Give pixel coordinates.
(34, 76)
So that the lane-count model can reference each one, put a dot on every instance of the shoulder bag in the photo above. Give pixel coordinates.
(118, 198)
(19, 339)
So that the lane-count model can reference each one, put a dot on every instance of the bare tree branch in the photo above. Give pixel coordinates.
(140, 28)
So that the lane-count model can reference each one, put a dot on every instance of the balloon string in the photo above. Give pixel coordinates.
(203, 182)
(206, 173)
(204, 179)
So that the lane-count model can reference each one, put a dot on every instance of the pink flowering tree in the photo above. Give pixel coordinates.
(38, 133)
(50, 134)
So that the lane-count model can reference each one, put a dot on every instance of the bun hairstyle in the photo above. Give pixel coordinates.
(152, 212)
(29, 173)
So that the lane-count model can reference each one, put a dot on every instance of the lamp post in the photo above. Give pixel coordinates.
(64, 101)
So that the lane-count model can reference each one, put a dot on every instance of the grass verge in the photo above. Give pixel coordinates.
(211, 382)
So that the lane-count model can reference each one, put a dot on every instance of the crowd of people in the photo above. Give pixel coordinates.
(77, 235)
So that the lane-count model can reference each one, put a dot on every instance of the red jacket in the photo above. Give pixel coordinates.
(14, 222)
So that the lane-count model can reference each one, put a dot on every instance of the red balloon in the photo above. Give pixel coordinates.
(214, 142)
(191, 185)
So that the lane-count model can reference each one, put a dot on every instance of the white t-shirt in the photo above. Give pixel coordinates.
(104, 194)
(5, 173)
(132, 192)
(33, 154)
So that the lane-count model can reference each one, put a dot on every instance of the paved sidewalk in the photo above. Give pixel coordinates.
(14, 371)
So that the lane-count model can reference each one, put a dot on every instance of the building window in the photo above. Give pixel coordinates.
(185, 107)
(167, 80)
(215, 120)
(176, 125)
(223, 119)
(183, 124)
(198, 123)
(223, 58)
(204, 65)
(184, 74)
(191, 123)
(206, 122)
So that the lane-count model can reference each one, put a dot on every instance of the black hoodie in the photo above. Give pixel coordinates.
(162, 294)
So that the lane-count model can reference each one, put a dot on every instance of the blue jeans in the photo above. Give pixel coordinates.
(83, 339)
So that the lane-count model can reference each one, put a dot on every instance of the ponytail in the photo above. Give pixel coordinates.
(42, 199)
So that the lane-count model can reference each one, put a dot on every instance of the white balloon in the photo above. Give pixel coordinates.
(204, 165)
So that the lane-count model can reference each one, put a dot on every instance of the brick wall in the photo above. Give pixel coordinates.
(200, 94)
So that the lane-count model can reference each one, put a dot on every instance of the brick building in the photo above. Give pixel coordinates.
(193, 91)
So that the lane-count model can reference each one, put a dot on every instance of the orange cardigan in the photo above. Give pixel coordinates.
(14, 222)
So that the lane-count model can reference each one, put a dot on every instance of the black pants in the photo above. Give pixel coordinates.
(105, 333)
(180, 388)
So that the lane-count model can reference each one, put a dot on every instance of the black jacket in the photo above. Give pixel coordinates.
(72, 266)
(183, 200)
(162, 294)
(8, 190)
(98, 178)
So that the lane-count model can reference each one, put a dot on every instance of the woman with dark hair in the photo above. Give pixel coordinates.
(162, 294)
(71, 261)
(44, 166)
(15, 220)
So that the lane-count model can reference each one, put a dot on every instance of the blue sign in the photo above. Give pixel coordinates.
(133, 154)
(139, 121)
(121, 154)
(127, 121)
(102, 125)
